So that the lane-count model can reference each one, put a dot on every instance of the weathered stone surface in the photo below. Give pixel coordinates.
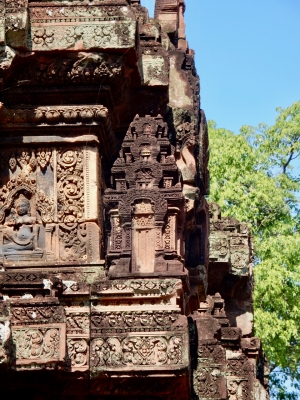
(117, 278)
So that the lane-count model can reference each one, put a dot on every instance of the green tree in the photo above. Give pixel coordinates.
(255, 177)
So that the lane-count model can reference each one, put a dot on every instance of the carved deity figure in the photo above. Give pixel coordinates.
(21, 233)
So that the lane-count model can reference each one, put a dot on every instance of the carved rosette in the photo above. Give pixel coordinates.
(102, 35)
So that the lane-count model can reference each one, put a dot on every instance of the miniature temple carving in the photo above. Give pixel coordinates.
(146, 230)
(117, 278)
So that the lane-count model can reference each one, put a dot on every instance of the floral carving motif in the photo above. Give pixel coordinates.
(142, 221)
(37, 343)
(213, 352)
(78, 322)
(27, 161)
(231, 333)
(103, 34)
(43, 157)
(128, 319)
(34, 313)
(86, 13)
(73, 34)
(219, 247)
(45, 206)
(77, 352)
(205, 383)
(70, 194)
(167, 234)
(240, 366)
(116, 234)
(139, 287)
(239, 260)
(73, 239)
(93, 68)
(15, 4)
(186, 134)
(141, 350)
(43, 36)
(52, 115)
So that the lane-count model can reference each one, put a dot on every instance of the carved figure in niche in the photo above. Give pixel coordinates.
(21, 232)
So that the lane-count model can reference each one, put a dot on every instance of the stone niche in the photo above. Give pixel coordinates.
(49, 204)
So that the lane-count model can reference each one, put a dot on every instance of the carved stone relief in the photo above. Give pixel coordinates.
(45, 212)
(51, 116)
(117, 321)
(44, 344)
(78, 354)
(26, 314)
(83, 37)
(135, 351)
(147, 189)
(134, 321)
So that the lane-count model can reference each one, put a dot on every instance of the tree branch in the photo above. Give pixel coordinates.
(288, 161)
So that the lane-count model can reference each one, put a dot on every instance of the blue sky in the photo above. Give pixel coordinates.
(247, 57)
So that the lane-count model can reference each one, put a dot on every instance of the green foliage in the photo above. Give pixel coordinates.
(254, 179)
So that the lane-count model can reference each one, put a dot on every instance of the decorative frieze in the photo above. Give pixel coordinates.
(32, 313)
(52, 115)
(133, 321)
(134, 351)
(137, 288)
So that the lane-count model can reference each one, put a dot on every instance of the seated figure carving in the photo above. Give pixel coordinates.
(20, 233)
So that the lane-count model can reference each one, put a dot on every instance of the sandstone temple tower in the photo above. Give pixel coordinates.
(117, 279)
